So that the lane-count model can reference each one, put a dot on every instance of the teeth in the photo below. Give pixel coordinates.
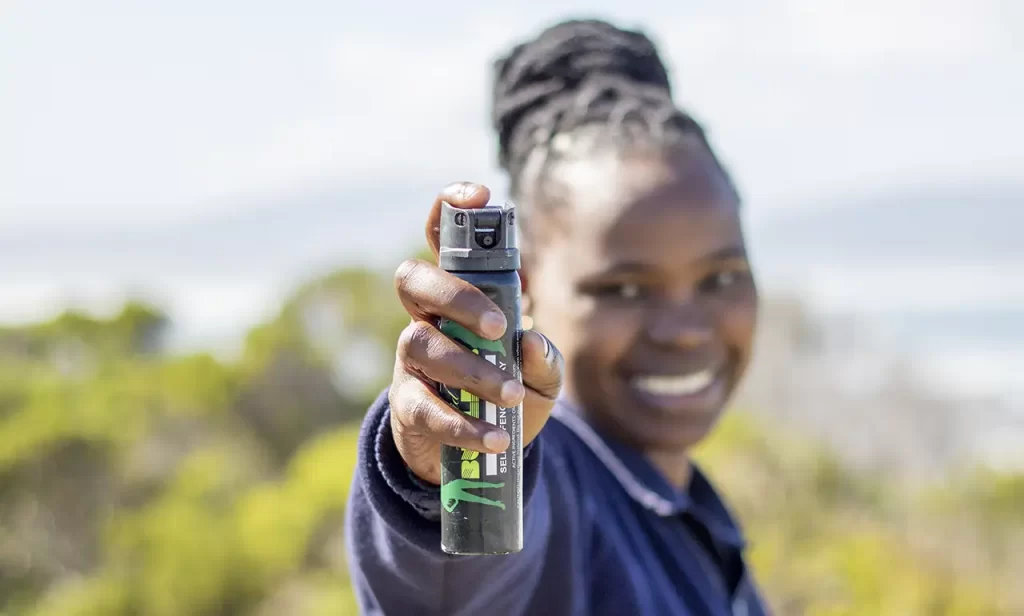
(675, 385)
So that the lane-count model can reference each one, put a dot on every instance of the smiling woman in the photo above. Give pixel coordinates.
(656, 322)
(634, 266)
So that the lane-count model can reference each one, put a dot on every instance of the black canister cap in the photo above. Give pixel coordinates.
(479, 239)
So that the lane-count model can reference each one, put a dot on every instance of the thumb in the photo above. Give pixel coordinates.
(465, 195)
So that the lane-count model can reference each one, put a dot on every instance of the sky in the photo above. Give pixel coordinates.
(138, 119)
(127, 113)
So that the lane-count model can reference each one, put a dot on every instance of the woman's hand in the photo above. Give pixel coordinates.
(420, 419)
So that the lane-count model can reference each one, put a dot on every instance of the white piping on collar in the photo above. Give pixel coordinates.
(641, 493)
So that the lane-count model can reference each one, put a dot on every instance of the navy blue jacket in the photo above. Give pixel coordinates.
(604, 534)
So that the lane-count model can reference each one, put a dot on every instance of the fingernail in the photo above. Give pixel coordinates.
(547, 345)
(496, 440)
(512, 392)
(468, 190)
(492, 324)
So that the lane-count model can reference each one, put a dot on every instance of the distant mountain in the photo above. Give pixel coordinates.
(964, 222)
(323, 227)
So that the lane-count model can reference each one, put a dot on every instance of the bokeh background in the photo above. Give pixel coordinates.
(201, 205)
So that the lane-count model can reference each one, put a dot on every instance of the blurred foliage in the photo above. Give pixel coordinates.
(138, 482)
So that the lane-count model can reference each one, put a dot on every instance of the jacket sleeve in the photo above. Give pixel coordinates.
(393, 538)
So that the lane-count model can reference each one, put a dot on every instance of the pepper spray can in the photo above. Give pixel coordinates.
(482, 493)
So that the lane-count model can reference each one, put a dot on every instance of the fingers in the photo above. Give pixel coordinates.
(426, 292)
(419, 410)
(427, 356)
(464, 195)
(542, 365)
(542, 374)
(536, 411)
(422, 420)
(440, 359)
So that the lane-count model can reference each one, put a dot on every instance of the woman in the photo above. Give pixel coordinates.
(634, 266)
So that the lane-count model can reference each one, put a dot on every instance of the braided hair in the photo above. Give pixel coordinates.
(577, 85)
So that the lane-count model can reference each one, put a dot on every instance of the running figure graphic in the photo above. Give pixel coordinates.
(454, 492)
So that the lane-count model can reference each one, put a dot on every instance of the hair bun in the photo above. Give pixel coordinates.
(563, 57)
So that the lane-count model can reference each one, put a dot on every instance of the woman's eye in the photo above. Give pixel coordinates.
(720, 280)
(626, 290)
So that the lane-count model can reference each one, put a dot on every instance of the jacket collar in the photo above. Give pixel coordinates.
(647, 485)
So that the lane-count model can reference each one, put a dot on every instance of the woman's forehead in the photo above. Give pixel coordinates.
(606, 184)
(639, 204)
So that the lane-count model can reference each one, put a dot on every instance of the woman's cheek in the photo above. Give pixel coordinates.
(737, 324)
(611, 331)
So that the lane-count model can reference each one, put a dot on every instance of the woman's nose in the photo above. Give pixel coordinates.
(683, 326)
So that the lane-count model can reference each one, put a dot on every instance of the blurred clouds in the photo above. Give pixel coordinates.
(120, 114)
(875, 33)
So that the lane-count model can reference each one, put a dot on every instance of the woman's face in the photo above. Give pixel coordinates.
(642, 281)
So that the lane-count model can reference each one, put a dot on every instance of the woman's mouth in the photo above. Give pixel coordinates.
(702, 390)
(676, 385)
